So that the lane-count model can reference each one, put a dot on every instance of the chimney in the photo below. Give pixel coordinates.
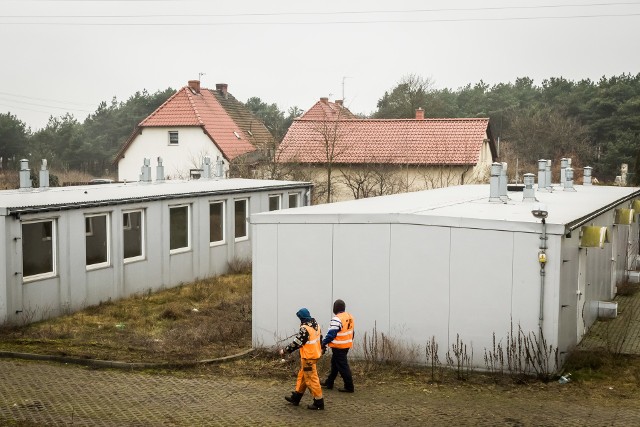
(206, 167)
(339, 102)
(25, 175)
(542, 175)
(568, 184)
(44, 175)
(586, 177)
(194, 85)
(494, 182)
(529, 193)
(324, 100)
(222, 89)
(145, 171)
(419, 114)
(564, 164)
(159, 171)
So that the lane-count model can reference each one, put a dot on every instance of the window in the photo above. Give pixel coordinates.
(173, 137)
(294, 200)
(216, 222)
(38, 249)
(179, 235)
(274, 202)
(241, 213)
(132, 235)
(97, 240)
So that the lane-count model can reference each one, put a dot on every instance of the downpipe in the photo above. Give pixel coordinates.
(542, 259)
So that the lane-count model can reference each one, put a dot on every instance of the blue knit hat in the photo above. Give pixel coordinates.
(303, 314)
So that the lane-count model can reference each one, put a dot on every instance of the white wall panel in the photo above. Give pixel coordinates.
(265, 285)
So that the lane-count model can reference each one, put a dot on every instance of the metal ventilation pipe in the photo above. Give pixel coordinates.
(542, 175)
(219, 168)
(159, 171)
(494, 182)
(568, 185)
(586, 175)
(503, 183)
(25, 174)
(206, 167)
(564, 164)
(44, 175)
(529, 193)
(548, 175)
(145, 171)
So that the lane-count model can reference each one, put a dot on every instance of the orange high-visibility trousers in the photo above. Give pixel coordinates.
(308, 378)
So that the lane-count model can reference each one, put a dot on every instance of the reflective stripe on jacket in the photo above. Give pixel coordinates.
(312, 349)
(344, 337)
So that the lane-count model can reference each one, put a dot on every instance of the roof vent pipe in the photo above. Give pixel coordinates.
(529, 193)
(44, 175)
(568, 184)
(206, 167)
(548, 175)
(25, 174)
(494, 182)
(219, 168)
(542, 175)
(564, 164)
(503, 183)
(159, 171)
(145, 171)
(586, 176)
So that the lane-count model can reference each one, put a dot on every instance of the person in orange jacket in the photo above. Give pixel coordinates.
(340, 338)
(308, 340)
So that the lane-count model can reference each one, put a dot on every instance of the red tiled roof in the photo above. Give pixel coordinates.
(402, 141)
(187, 108)
(325, 110)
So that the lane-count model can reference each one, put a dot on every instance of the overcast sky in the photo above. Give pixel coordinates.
(68, 56)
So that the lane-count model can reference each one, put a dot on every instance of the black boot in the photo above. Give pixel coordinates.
(326, 384)
(317, 404)
(294, 399)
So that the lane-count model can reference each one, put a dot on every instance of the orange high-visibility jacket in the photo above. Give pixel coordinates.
(312, 349)
(344, 337)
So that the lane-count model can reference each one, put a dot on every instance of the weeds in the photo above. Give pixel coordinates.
(459, 359)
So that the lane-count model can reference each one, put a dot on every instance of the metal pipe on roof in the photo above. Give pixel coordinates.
(159, 171)
(145, 171)
(494, 182)
(44, 175)
(25, 175)
(548, 175)
(503, 183)
(586, 175)
(529, 193)
(564, 164)
(568, 184)
(542, 176)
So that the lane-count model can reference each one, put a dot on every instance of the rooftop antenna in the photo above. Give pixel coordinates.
(200, 76)
(343, 79)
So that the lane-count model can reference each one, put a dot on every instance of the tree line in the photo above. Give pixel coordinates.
(596, 123)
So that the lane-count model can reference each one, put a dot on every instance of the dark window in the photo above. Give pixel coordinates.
(216, 222)
(38, 246)
(97, 240)
(274, 202)
(173, 137)
(241, 209)
(179, 227)
(132, 234)
(293, 200)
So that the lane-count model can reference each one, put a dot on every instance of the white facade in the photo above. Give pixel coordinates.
(178, 158)
(67, 248)
(441, 263)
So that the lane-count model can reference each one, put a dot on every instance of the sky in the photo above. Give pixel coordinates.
(68, 56)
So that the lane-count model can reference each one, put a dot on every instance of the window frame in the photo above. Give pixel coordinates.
(275, 196)
(53, 238)
(91, 233)
(177, 138)
(246, 220)
(189, 225)
(224, 223)
(297, 198)
(143, 252)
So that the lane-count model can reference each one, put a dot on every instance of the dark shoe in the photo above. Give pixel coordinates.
(346, 390)
(294, 399)
(318, 404)
(325, 385)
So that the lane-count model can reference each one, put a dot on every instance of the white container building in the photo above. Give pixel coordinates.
(447, 262)
(67, 248)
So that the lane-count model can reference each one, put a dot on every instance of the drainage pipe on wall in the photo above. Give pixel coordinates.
(542, 259)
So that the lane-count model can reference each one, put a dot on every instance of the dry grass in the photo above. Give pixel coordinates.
(206, 319)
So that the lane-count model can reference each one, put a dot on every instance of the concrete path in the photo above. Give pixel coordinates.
(40, 393)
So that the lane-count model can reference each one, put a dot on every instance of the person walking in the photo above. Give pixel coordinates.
(308, 340)
(340, 338)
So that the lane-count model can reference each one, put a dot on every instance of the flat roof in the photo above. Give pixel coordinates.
(465, 206)
(75, 197)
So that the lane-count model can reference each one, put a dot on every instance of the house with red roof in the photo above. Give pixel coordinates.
(351, 158)
(192, 124)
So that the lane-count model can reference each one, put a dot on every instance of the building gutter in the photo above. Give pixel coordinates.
(585, 219)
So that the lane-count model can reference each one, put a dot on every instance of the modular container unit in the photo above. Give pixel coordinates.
(446, 263)
(67, 248)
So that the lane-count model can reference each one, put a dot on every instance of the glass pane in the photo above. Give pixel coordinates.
(241, 218)
(96, 239)
(274, 203)
(179, 227)
(132, 234)
(216, 222)
(293, 200)
(37, 248)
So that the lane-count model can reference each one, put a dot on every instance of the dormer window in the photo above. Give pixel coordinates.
(173, 137)
(236, 134)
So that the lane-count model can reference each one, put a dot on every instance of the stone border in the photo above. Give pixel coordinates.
(96, 363)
